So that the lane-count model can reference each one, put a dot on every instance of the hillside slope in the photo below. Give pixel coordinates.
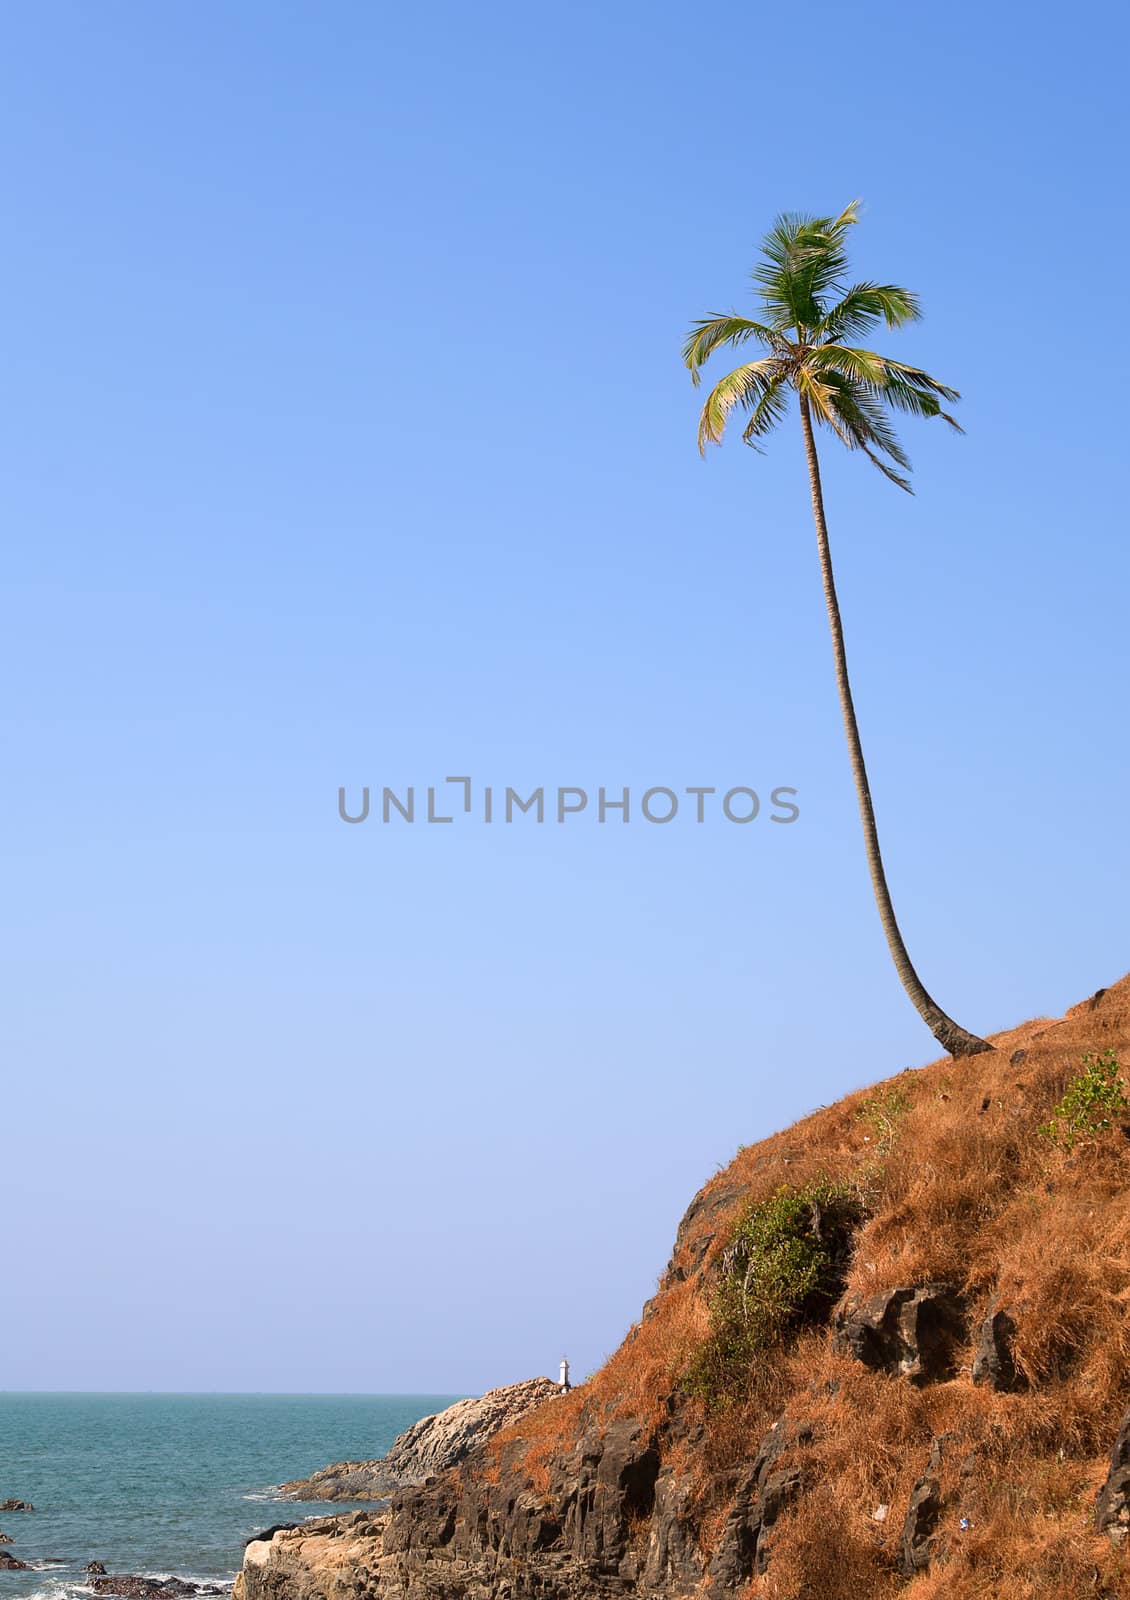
(890, 1355)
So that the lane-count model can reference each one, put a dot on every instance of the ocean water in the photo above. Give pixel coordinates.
(168, 1483)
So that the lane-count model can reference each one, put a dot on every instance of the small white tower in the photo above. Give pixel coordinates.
(565, 1385)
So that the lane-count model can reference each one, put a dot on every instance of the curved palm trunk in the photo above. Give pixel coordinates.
(947, 1032)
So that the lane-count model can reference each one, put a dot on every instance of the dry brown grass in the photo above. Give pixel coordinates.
(969, 1191)
(829, 1552)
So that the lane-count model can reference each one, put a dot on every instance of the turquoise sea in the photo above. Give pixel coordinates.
(169, 1484)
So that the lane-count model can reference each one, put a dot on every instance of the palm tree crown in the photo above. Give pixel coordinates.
(810, 311)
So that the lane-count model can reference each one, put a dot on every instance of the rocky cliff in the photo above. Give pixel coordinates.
(890, 1355)
(429, 1446)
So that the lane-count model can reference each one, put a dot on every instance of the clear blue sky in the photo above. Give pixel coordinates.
(346, 441)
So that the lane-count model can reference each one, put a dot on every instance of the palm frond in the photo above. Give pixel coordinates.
(769, 411)
(905, 388)
(858, 417)
(803, 259)
(865, 304)
(822, 403)
(911, 390)
(853, 363)
(916, 402)
(743, 387)
(707, 336)
(920, 379)
(873, 421)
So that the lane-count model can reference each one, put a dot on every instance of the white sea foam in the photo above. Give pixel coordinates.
(73, 1587)
(208, 1580)
(59, 1589)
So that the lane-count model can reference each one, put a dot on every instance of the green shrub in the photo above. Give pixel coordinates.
(1094, 1097)
(782, 1268)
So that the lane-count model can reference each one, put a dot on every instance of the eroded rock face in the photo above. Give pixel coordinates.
(767, 1489)
(428, 1447)
(10, 1563)
(606, 1522)
(673, 1561)
(993, 1363)
(1112, 1509)
(16, 1505)
(914, 1331)
(919, 1526)
(696, 1234)
(592, 1532)
(332, 1558)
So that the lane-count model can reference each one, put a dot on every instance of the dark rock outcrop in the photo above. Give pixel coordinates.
(694, 1237)
(11, 1563)
(5, 1538)
(919, 1526)
(673, 1561)
(993, 1363)
(913, 1331)
(267, 1533)
(429, 1446)
(131, 1587)
(743, 1549)
(1112, 1509)
(586, 1534)
(16, 1505)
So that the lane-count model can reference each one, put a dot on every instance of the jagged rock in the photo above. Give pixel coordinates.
(695, 1234)
(606, 1487)
(95, 1569)
(673, 1561)
(429, 1446)
(5, 1538)
(135, 1588)
(16, 1505)
(465, 1533)
(329, 1557)
(11, 1564)
(743, 1548)
(778, 1490)
(993, 1363)
(1112, 1508)
(918, 1528)
(914, 1330)
(267, 1533)
(916, 1544)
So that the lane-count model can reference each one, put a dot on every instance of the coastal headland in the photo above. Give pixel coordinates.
(890, 1354)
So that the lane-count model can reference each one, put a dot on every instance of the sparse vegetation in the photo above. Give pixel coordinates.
(882, 1112)
(1093, 1099)
(783, 1267)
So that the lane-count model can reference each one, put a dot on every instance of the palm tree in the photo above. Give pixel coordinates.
(810, 312)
